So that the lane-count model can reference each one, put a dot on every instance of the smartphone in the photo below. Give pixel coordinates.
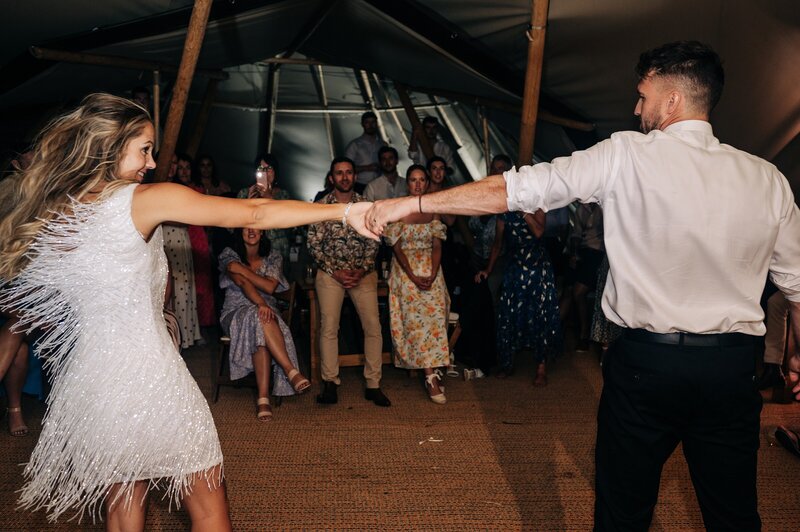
(261, 179)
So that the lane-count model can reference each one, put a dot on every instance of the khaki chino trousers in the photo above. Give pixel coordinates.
(330, 295)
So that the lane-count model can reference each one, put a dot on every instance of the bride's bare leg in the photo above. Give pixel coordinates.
(208, 507)
(122, 516)
(9, 345)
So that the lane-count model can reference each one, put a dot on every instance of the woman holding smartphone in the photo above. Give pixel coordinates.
(266, 186)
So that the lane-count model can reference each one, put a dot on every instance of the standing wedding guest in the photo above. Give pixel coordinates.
(82, 255)
(346, 262)
(527, 313)
(586, 252)
(604, 331)
(438, 170)
(390, 184)
(178, 248)
(418, 301)
(693, 228)
(363, 151)
(430, 128)
(201, 251)
(212, 184)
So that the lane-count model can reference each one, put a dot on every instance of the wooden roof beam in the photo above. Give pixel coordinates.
(116, 61)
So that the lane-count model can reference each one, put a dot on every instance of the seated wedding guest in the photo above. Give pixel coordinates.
(527, 314)
(201, 252)
(13, 371)
(265, 185)
(250, 273)
(418, 301)
(211, 183)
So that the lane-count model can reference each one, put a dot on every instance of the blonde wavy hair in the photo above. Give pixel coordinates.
(76, 157)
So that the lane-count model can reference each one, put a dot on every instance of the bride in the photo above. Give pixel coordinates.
(81, 258)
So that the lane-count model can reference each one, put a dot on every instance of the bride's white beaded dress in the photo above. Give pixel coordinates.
(123, 406)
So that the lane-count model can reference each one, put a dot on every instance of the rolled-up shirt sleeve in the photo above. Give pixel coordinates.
(784, 268)
(583, 176)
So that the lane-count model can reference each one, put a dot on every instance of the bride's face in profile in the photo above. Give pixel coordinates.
(137, 156)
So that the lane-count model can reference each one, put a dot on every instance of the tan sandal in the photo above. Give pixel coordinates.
(266, 414)
(18, 430)
(298, 381)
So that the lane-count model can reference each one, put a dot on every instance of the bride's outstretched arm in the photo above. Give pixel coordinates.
(168, 202)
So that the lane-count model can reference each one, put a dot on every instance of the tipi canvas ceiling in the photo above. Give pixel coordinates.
(469, 47)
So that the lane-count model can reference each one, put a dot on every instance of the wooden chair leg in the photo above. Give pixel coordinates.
(218, 370)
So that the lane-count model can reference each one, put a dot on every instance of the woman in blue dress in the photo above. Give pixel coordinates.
(251, 273)
(527, 315)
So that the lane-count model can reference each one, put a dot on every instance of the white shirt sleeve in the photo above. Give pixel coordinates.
(783, 265)
(583, 176)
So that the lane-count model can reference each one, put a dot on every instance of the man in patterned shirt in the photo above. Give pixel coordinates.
(346, 263)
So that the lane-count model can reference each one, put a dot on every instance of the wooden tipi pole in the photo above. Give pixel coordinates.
(533, 80)
(180, 93)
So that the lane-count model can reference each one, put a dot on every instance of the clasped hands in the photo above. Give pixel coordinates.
(349, 278)
(370, 219)
(482, 276)
(424, 283)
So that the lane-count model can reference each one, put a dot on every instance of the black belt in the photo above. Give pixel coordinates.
(690, 339)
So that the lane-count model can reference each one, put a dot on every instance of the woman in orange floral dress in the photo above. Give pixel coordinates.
(418, 299)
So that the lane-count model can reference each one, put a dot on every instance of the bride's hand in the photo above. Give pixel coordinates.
(356, 220)
(383, 212)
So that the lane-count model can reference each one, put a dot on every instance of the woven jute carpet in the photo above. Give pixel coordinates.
(500, 455)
